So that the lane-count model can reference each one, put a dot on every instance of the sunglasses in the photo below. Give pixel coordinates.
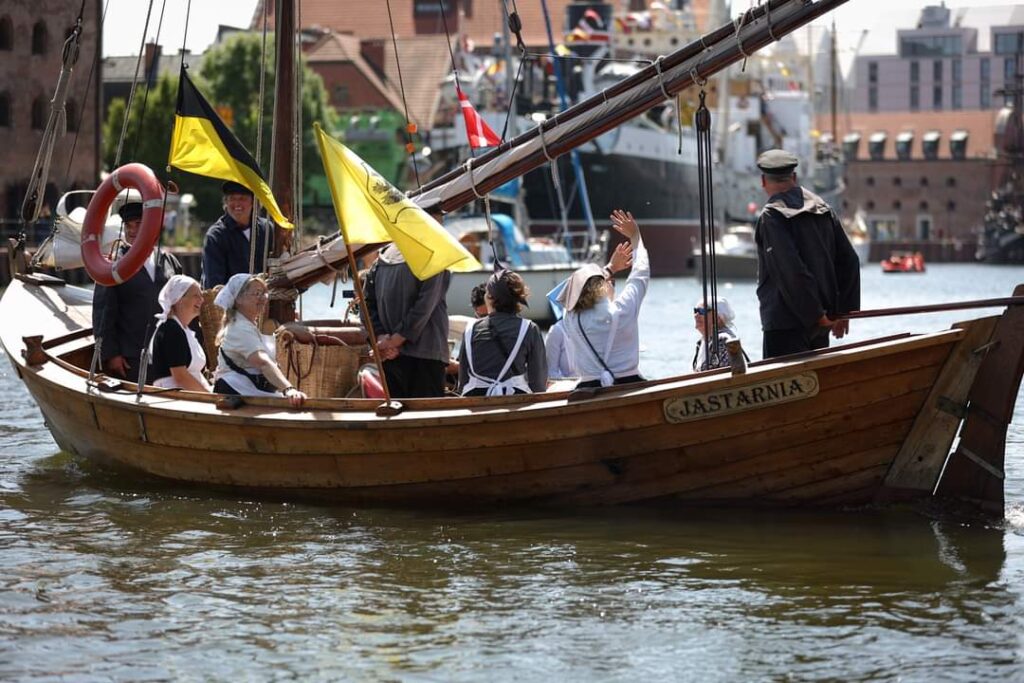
(700, 310)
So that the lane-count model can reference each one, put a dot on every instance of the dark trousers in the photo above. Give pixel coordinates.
(596, 383)
(784, 342)
(410, 377)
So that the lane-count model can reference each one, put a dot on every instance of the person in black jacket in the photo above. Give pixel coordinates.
(122, 315)
(807, 272)
(227, 246)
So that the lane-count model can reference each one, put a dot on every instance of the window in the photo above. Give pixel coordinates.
(869, 181)
(876, 149)
(924, 181)
(904, 143)
(897, 181)
(40, 38)
(915, 98)
(425, 9)
(897, 204)
(937, 70)
(985, 93)
(931, 46)
(950, 182)
(915, 72)
(924, 206)
(39, 113)
(1007, 43)
(937, 97)
(950, 205)
(871, 205)
(958, 96)
(873, 98)
(6, 33)
(341, 96)
(1009, 69)
(872, 72)
(5, 110)
(924, 224)
(958, 70)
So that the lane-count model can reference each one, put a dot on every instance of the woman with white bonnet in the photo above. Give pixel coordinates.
(176, 358)
(719, 355)
(602, 331)
(246, 366)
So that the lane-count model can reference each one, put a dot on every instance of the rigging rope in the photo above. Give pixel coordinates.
(152, 68)
(709, 276)
(56, 126)
(131, 93)
(410, 127)
(88, 91)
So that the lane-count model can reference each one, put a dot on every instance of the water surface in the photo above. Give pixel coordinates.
(106, 576)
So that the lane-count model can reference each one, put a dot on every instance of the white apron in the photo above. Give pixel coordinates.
(496, 386)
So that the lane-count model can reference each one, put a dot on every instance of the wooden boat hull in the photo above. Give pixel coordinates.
(825, 429)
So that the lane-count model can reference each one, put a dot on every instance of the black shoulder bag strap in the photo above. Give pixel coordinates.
(259, 381)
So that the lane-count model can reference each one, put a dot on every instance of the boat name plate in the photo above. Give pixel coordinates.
(738, 399)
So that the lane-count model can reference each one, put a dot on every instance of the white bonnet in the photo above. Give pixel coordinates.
(725, 311)
(226, 297)
(175, 288)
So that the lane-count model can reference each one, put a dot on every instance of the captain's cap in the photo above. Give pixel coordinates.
(777, 162)
(231, 187)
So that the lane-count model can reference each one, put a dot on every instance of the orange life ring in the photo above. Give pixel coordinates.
(101, 269)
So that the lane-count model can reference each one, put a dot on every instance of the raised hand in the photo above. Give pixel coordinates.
(624, 222)
(622, 257)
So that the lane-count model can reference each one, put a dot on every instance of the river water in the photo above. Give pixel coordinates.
(109, 577)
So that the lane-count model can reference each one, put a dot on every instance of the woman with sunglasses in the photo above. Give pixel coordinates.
(718, 357)
(246, 365)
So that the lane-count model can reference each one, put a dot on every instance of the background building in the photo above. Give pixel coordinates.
(32, 34)
(920, 128)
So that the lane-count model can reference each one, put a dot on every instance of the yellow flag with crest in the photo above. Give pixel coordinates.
(370, 209)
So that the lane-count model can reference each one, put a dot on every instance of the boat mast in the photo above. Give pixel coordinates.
(282, 140)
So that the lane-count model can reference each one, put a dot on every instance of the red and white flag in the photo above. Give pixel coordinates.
(480, 134)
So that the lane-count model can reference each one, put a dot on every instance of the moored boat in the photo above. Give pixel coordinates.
(857, 424)
(866, 422)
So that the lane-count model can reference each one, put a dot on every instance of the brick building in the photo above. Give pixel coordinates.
(32, 34)
(919, 137)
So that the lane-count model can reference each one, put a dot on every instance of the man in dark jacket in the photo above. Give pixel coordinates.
(228, 243)
(410, 319)
(808, 273)
(122, 316)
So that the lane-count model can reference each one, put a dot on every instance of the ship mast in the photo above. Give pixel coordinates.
(283, 147)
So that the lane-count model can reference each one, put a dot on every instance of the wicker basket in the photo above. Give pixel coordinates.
(211, 317)
(319, 370)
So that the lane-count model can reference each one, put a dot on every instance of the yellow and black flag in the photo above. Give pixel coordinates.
(203, 145)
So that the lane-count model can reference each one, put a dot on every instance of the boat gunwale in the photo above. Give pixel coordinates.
(360, 413)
